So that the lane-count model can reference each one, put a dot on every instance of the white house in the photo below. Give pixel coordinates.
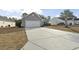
(55, 21)
(4, 22)
(73, 21)
(76, 21)
(32, 20)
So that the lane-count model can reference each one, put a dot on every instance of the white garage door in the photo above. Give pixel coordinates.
(32, 24)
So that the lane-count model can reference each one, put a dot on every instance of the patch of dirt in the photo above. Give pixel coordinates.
(61, 27)
(12, 38)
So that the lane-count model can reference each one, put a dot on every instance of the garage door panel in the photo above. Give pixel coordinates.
(32, 24)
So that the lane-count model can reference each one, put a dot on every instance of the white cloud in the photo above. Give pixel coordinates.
(77, 15)
(31, 10)
(28, 11)
(57, 15)
(18, 12)
(18, 17)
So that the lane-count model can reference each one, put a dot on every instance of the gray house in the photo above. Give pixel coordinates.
(32, 20)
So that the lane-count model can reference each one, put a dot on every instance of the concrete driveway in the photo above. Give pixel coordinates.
(51, 39)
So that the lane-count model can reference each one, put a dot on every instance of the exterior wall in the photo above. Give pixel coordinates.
(31, 20)
(73, 22)
(53, 23)
(76, 21)
(6, 24)
(32, 24)
(70, 22)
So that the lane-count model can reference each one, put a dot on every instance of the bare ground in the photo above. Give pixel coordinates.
(62, 27)
(12, 38)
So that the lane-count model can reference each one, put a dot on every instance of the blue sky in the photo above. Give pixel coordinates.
(45, 12)
(56, 12)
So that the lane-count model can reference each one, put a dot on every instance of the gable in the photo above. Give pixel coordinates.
(33, 17)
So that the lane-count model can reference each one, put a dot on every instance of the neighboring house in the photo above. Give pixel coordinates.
(76, 21)
(73, 21)
(55, 21)
(4, 22)
(32, 20)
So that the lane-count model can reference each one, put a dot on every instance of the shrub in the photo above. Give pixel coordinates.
(18, 23)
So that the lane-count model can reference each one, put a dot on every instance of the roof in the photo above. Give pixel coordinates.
(3, 18)
(56, 20)
(69, 18)
(77, 19)
(33, 13)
